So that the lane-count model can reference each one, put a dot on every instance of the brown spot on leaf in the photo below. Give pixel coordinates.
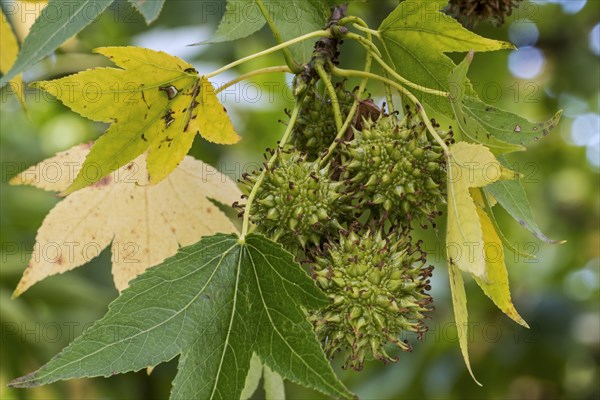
(170, 90)
(168, 118)
(103, 182)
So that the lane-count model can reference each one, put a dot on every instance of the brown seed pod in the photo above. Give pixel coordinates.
(470, 12)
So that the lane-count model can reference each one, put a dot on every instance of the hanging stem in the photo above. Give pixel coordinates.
(359, 24)
(261, 71)
(377, 57)
(261, 178)
(388, 95)
(311, 35)
(404, 91)
(352, 19)
(366, 43)
(289, 59)
(366, 29)
(335, 103)
(362, 26)
(350, 117)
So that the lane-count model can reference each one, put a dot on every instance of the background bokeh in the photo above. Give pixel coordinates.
(556, 66)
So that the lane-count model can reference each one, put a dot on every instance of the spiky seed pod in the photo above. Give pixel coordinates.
(297, 202)
(315, 128)
(470, 12)
(396, 169)
(377, 287)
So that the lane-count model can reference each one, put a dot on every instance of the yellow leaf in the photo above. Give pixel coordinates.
(145, 223)
(211, 121)
(472, 238)
(155, 102)
(461, 316)
(9, 48)
(496, 287)
(471, 165)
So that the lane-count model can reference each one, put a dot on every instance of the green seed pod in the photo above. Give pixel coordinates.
(315, 128)
(297, 202)
(378, 294)
(396, 170)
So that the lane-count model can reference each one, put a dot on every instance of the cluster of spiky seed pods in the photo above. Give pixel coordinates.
(314, 130)
(348, 220)
(297, 203)
(377, 290)
(470, 12)
(396, 168)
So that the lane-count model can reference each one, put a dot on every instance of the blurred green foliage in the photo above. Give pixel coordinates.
(558, 293)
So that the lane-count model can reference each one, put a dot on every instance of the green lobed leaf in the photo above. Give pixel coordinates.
(507, 126)
(58, 21)
(150, 9)
(511, 195)
(292, 18)
(469, 127)
(415, 37)
(215, 303)
(489, 202)
(242, 18)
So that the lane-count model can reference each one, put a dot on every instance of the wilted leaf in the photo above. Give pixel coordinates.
(58, 22)
(417, 34)
(215, 303)
(156, 102)
(469, 127)
(145, 223)
(496, 286)
(470, 166)
(9, 48)
(461, 315)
